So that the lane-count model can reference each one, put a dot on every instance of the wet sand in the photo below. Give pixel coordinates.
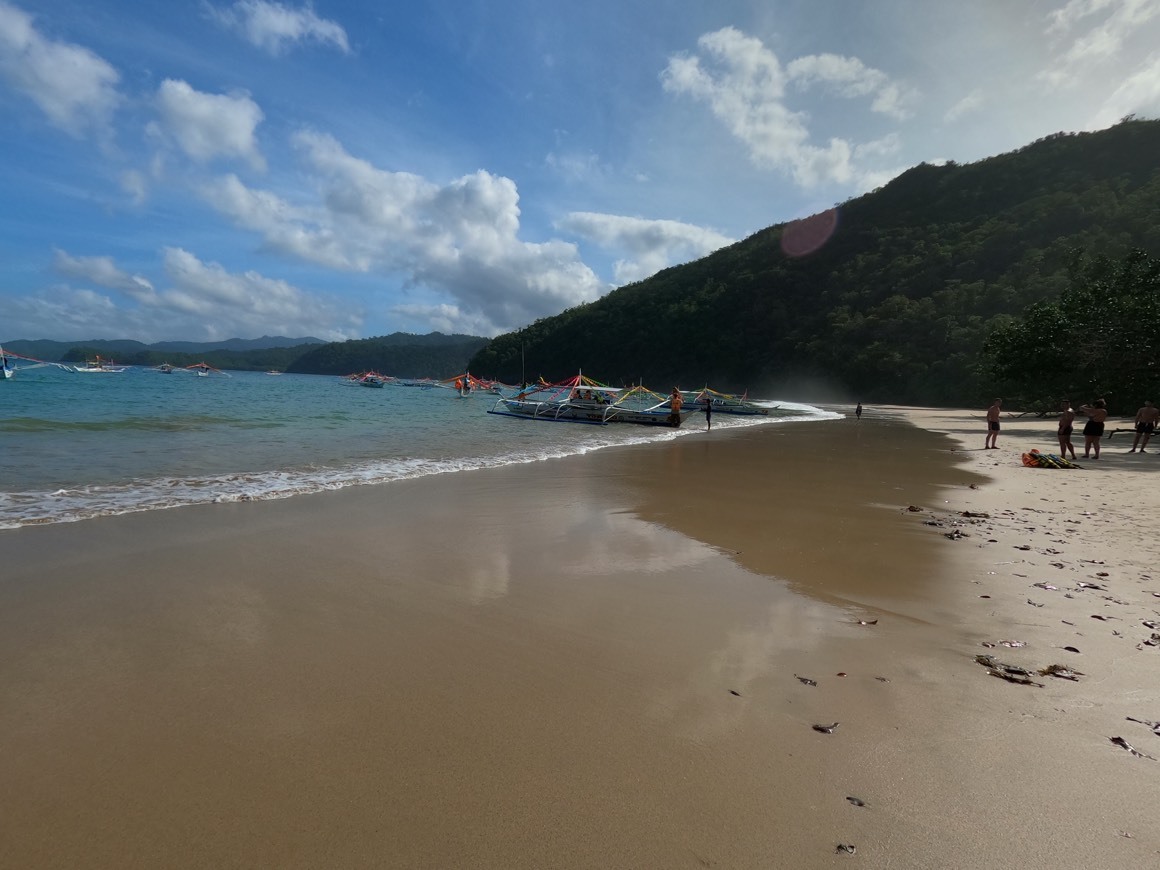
(590, 663)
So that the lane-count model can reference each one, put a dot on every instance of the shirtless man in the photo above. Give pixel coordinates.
(1093, 430)
(1066, 419)
(993, 425)
(1146, 419)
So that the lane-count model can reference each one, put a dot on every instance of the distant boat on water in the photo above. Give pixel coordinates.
(98, 365)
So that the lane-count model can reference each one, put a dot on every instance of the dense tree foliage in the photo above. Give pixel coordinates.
(401, 355)
(1097, 340)
(895, 304)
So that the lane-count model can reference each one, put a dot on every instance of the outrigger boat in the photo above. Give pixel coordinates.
(468, 384)
(8, 370)
(204, 369)
(723, 403)
(365, 379)
(99, 366)
(583, 400)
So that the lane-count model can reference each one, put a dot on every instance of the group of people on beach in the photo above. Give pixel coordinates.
(1145, 424)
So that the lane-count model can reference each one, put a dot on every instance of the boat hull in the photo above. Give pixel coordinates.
(592, 414)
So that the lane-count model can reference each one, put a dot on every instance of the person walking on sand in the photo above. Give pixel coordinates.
(1066, 421)
(1146, 419)
(993, 425)
(858, 411)
(1093, 430)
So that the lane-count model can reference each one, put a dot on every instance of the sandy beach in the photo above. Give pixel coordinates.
(593, 662)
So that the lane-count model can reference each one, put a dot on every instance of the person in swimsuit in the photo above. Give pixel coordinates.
(1066, 421)
(1146, 419)
(993, 425)
(1093, 430)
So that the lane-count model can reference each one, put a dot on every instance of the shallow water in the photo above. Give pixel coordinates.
(79, 446)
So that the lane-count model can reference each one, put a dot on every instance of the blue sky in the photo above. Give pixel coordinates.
(343, 169)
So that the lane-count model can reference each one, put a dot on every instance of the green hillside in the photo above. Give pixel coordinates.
(399, 354)
(895, 306)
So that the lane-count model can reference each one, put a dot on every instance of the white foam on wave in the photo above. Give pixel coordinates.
(71, 505)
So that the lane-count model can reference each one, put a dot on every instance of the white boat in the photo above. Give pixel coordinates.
(723, 403)
(204, 370)
(582, 400)
(99, 366)
(8, 368)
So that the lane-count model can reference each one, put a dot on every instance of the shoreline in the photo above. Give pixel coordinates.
(591, 663)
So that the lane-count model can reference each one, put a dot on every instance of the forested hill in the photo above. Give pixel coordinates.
(399, 354)
(897, 302)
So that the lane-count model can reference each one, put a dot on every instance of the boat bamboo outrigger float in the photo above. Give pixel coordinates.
(8, 369)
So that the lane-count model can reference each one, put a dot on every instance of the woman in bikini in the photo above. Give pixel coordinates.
(1093, 430)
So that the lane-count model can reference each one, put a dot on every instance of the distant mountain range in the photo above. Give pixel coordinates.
(54, 351)
(401, 354)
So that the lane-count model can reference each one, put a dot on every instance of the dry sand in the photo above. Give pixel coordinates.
(591, 663)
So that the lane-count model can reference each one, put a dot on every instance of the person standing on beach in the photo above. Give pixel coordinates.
(675, 402)
(993, 425)
(1066, 421)
(858, 411)
(708, 412)
(1146, 419)
(1093, 430)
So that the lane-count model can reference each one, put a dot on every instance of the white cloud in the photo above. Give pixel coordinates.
(849, 77)
(460, 239)
(746, 90)
(1139, 93)
(972, 102)
(274, 27)
(1103, 41)
(653, 244)
(74, 87)
(248, 302)
(203, 301)
(206, 126)
(102, 271)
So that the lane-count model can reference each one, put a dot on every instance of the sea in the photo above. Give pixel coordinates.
(78, 446)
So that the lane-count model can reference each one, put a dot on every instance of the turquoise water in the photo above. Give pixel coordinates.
(75, 446)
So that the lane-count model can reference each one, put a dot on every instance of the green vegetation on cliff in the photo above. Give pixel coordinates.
(895, 305)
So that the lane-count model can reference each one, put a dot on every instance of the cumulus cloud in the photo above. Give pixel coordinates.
(1093, 33)
(275, 27)
(206, 126)
(202, 300)
(652, 244)
(745, 85)
(849, 77)
(103, 271)
(460, 239)
(74, 87)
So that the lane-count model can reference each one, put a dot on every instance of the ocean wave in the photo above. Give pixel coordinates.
(18, 509)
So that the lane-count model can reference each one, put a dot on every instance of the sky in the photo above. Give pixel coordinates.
(213, 169)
